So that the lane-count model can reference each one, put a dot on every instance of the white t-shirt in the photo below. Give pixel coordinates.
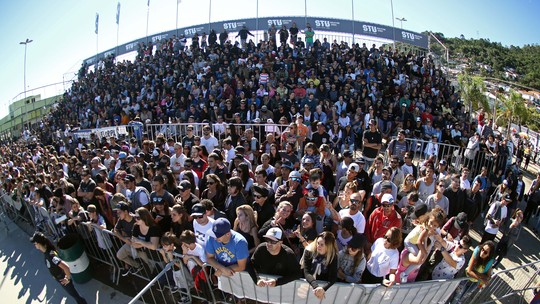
(358, 219)
(490, 228)
(210, 143)
(177, 162)
(382, 260)
(201, 232)
(445, 271)
(198, 252)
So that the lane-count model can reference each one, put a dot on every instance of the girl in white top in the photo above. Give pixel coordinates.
(384, 259)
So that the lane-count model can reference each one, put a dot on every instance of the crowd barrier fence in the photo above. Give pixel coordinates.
(508, 281)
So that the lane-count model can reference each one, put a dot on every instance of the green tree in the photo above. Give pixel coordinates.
(512, 110)
(473, 92)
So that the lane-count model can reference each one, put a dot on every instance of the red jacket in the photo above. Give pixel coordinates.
(379, 224)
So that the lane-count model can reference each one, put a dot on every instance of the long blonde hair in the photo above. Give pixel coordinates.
(331, 246)
(250, 214)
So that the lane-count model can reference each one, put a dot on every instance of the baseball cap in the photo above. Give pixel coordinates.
(419, 210)
(129, 178)
(389, 169)
(354, 167)
(461, 220)
(361, 161)
(372, 122)
(387, 198)
(184, 185)
(295, 174)
(309, 161)
(508, 198)
(287, 164)
(122, 206)
(122, 155)
(443, 162)
(220, 227)
(198, 210)
(418, 119)
(260, 190)
(274, 234)
(347, 153)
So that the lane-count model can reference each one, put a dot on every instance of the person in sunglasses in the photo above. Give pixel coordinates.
(272, 257)
(453, 254)
(292, 191)
(202, 224)
(353, 211)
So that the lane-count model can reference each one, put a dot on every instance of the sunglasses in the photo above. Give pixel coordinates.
(271, 241)
(198, 217)
(387, 205)
(394, 162)
(354, 201)
(210, 183)
(294, 179)
(136, 217)
(386, 238)
(311, 199)
(257, 196)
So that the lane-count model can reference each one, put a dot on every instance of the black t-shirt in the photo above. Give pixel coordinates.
(283, 264)
(153, 231)
(319, 139)
(124, 227)
(52, 261)
(146, 184)
(372, 138)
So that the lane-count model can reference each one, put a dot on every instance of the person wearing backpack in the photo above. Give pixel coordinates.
(495, 217)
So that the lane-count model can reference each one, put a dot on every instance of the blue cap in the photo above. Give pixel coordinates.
(221, 227)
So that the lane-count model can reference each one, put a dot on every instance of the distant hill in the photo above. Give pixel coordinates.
(496, 60)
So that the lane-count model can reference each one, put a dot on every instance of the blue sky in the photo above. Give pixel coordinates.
(63, 31)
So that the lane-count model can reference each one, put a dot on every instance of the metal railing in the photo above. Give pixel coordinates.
(507, 281)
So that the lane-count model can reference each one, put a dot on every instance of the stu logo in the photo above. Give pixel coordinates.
(322, 23)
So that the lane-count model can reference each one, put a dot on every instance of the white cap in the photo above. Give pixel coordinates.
(387, 198)
(274, 234)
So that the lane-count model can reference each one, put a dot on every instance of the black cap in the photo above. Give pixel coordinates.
(461, 220)
(198, 210)
(39, 238)
(347, 153)
(260, 190)
(123, 206)
(508, 198)
(129, 178)
(184, 185)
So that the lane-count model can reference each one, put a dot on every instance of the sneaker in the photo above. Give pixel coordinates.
(126, 271)
(175, 289)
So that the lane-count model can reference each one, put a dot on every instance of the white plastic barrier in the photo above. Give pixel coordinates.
(241, 286)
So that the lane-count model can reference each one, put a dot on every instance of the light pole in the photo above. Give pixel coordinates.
(177, 4)
(352, 10)
(393, 26)
(26, 42)
(209, 15)
(401, 20)
(25, 47)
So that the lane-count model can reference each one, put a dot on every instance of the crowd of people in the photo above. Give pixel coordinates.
(336, 197)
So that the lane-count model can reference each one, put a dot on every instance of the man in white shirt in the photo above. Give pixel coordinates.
(177, 160)
(495, 217)
(202, 224)
(208, 140)
(464, 182)
(354, 212)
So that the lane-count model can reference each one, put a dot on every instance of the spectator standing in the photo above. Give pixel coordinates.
(320, 262)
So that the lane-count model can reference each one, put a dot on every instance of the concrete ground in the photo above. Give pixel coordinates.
(26, 279)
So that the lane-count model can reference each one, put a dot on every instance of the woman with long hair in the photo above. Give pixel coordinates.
(343, 198)
(215, 191)
(479, 268)
(169, 182)
(282, 219)
(190, 177)
(180, 219)
(58, 268)
(352, 260)
(246, 225)
(346, 232)
(306, 231)
(274, 154)
(376, 170)
(320, 262)
(384, 259)
(103, 199)
(242, 171)
(329, 163)
(407, 187)
(161, 212)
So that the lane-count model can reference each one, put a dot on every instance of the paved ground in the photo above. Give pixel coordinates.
(25, 278)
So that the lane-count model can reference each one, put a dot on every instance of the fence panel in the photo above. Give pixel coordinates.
(507, 281)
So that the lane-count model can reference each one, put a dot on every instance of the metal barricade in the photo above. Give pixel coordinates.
(507, 281)
(175, 284)
(177, 131)
(417, 293)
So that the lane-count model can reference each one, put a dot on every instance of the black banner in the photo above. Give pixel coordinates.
(345, 26)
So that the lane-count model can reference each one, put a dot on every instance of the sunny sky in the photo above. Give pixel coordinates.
(63, 31)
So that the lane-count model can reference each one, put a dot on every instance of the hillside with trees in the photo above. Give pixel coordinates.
(524, 60)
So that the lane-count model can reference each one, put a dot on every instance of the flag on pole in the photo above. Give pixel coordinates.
(118, 13)
(97, 22)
